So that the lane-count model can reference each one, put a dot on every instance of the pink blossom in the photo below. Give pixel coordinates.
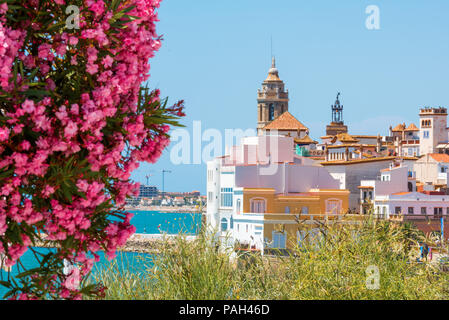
(71, 129)
(93, 138)
(107, 61)
(4, 134)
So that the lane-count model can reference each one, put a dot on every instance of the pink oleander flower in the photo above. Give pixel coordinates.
(4, 134)
(72, 134)
(72, 282)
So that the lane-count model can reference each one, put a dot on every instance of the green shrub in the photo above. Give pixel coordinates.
(334, 268)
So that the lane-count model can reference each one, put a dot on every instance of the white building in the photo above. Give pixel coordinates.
(350, 173)
(259, 184)
(433, 169)
(433, 130)
(395, 193)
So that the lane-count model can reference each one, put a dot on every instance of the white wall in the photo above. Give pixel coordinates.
(297, 178)
(351, 175)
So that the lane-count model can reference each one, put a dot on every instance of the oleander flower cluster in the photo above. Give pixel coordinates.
(75, 122)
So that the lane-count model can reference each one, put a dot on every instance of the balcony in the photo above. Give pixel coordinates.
(442, 177)
(411, 142)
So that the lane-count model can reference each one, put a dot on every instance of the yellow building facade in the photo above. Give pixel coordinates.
(288, 214)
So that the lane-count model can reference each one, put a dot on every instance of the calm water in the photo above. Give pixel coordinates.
(150, 222)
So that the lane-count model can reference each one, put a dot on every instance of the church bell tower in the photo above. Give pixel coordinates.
(272, 99)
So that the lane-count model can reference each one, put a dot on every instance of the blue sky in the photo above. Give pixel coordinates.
(215, 55)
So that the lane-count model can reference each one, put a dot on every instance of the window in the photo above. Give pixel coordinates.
(279, 240)
(224, 224)
(438, 213)
(287, 209)
(333, 206)
(315, 237)
(210, 196)
(410, 210)
(247, 228)
(301, 236)
(397, 210)
(271, 112)
(258, 206)
(423, 210)
(210, 175)
(239, 205)
(226, 197)
(305, 210)
(232, 223)
(426, 134)
(384, 211)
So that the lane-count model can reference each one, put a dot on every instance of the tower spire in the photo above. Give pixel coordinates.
(337, 125)
(272, 99)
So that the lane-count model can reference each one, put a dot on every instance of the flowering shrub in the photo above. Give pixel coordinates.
(74, 123)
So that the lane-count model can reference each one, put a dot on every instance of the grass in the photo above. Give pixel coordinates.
(333, 268)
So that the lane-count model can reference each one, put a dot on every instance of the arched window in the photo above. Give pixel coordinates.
(239, 205)
(410, 187)
(224, 224)
(271, 112)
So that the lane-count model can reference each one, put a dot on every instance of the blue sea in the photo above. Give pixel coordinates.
(147, 222)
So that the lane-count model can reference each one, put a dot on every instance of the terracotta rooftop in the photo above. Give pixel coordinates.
(345, 138)
(356, 161)
(364, 136)
(285, 122)
(440, 157)
(412, 127)
(399, 128)
(305, 140)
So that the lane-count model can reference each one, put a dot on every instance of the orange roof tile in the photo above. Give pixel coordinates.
(345, 138)
(305, 140)
(412, 127)
(355, 161)
(440, 157)
(285, 122)
(399, 127)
